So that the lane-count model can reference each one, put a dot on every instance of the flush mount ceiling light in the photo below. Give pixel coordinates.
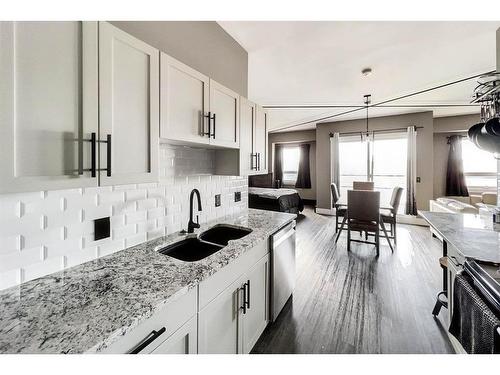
(366, 71)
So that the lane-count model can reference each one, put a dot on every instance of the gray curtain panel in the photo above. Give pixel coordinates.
(411, 171)
(304, 170)
(278, 164)
(335, 159)
(455, 179)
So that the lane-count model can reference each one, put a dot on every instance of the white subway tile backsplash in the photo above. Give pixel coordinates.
(46, 231)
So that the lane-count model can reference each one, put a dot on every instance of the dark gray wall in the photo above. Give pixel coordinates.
(424, 152)
(308, 136)
(203, 45)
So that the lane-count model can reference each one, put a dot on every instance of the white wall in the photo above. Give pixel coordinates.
(48, 231)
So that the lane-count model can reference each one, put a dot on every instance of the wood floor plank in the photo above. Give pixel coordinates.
(354, 302)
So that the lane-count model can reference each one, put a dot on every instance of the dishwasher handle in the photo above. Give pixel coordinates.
(284, 237)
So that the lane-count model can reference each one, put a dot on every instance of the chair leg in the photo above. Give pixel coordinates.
(340, 229)
(377, 241)
(348, 238)
(440, 303)
(387, 238)
(395, 237)
(336, 221)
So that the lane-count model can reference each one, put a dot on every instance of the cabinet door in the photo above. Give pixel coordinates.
(255, 320)
(184, 102)
(48, 104)
(128, 107)
(224, 105)
(218, 323)
(261, 139)
(183, 341)
(247, 124)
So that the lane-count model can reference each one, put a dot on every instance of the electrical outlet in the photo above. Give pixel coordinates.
(217, 200)
(418, 180)
(237, 196)
(102, 228)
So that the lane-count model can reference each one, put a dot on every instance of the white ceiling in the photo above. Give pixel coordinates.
(304, 62)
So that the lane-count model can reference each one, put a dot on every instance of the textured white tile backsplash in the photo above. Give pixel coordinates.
(43, 232)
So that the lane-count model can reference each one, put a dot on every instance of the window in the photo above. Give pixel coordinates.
(480, 168)
(353, 153)
(382, 159)
(291, 156)
(389, 166)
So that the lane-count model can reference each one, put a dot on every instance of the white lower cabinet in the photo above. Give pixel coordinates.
(183, 341)
(225, 314)
(255, 320)
(166, 331)
(218, 323)
(233, 322)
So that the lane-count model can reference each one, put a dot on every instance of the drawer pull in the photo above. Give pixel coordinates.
(248, 294)
(244, 307)
(147, 340)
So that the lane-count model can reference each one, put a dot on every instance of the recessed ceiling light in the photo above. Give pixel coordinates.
(366, 71)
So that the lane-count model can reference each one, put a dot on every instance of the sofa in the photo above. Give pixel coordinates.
(464, 205)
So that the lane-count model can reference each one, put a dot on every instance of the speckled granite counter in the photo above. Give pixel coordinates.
(87, 307)
(474, 236)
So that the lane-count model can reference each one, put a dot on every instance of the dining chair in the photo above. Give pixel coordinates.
(388, 214)
(363, 185)
(340, 208)
(363, 215)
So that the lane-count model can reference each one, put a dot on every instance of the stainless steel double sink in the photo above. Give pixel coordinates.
(192, 249)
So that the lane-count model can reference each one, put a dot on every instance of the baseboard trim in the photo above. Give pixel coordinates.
(412, 220)
(325, 211)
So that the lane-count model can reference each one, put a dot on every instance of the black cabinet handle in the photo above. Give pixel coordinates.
(108, 147)
(208, 117)
(213, 118)
(258, 161)
(244, 307)
(93, 144)
(147, 340)
(254, 166)
(93, 160)
(248, 294)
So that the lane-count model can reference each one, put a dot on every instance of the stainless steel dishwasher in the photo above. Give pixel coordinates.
(282, 268)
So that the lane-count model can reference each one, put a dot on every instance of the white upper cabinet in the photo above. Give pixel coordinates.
(48, 104)
(261, 139)
(224, 116)
(129, 108)
(247, 126)
(184, 95)
(196, 109)
(253, 138)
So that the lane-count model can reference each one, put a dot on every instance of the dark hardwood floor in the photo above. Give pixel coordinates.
(358, 303)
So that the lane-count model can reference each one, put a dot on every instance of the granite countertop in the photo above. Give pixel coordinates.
(87, 307)
(475, 236)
